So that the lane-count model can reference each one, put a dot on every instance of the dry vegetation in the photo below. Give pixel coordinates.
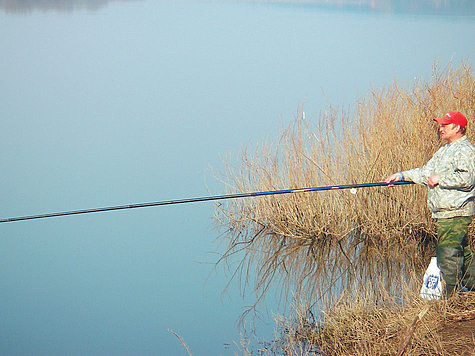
(350, 252)
(364, 327)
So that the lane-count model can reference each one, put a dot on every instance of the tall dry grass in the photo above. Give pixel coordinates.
(326, 242)
(362, 326)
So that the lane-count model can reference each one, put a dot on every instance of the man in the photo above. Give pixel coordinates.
(450, 178)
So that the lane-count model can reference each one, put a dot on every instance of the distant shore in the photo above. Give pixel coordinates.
(456, 7)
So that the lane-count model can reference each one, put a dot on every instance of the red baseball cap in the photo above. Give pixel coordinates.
(452, 117)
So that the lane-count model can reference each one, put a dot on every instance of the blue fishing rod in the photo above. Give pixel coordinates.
(201, 199)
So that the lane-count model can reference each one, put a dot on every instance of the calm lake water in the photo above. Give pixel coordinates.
(107, 103)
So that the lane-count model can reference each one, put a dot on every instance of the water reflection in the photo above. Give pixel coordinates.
(440, 7)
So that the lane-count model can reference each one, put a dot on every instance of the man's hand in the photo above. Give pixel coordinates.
(433, 181)
(392, 178)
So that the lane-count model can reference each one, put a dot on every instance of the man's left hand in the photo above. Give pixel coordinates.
(433, 181)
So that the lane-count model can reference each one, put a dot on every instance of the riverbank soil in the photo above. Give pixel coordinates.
(457, 332)
(460, 336)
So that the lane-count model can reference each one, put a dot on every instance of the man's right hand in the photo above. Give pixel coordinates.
(392, 178)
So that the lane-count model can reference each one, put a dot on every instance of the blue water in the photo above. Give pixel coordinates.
(137, 101)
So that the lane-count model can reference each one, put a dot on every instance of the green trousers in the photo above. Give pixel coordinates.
(454, 256)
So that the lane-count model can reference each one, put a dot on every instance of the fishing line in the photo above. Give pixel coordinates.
(202, 199)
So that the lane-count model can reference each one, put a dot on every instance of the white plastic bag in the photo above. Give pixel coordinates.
(432, 285)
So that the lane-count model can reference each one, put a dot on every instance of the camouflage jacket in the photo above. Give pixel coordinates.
(454, 195)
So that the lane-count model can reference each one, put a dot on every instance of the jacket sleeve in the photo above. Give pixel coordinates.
(461, 175)
(420, 175)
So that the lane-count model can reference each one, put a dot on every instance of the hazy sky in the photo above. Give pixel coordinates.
(139, 101)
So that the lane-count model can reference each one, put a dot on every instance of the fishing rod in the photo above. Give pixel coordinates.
(201, 199)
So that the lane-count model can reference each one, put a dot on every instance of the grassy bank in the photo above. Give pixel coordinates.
(361, 326)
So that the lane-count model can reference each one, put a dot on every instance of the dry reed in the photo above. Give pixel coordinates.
(324, 243)
(362, 326)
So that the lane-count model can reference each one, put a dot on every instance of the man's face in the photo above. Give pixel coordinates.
(449, 132)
